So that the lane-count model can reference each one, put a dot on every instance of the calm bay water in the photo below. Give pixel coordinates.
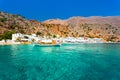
(68, 62)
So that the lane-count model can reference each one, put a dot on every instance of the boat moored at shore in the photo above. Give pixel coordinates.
(48, 43)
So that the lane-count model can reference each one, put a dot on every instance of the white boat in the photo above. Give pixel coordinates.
(48, 43)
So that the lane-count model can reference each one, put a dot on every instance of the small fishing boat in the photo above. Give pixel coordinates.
(48, 43)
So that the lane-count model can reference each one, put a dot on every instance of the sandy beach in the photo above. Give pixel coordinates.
(9, 43)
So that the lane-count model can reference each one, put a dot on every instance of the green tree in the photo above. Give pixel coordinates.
(54, 36)
(38, 33)
(18, 39)
(7, 35)
(3, 19)
(26, 37)
(33, 40)
(1, 36)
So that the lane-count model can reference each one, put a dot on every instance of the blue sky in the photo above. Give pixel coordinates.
(49, 9)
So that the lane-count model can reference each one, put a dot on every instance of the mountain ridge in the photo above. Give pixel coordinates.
(107, 28)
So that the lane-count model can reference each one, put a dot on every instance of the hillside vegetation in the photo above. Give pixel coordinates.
(107, 28)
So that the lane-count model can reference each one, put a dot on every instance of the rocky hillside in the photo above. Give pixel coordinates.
(107, 28)
(18, 24)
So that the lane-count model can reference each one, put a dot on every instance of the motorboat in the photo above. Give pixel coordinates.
(48, 43)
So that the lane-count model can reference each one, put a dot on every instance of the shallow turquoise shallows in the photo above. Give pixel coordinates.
(68, 62)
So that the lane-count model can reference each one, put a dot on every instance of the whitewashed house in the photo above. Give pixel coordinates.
(15, 36)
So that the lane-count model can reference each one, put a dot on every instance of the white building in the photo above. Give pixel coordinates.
(82, 40)
(15, 36)
(23, 38)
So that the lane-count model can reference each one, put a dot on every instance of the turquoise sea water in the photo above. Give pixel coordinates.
(68, 62)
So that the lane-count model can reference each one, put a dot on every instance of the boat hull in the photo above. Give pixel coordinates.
(47, 45)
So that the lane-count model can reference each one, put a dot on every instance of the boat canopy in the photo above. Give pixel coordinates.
(46, 40)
